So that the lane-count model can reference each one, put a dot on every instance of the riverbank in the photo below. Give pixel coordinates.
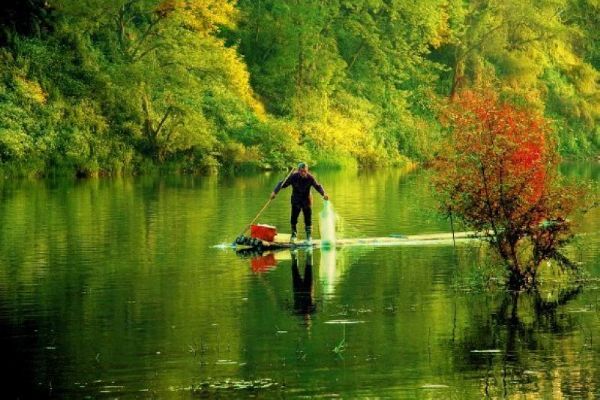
(149, 168)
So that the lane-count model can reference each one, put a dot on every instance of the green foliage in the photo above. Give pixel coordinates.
(103, 86)
(539, 54)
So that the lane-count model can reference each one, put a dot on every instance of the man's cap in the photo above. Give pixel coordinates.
(302, 165)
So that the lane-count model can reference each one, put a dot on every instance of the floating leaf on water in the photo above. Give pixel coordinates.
(340, 347)
(343, 322)
(227, 384)
(434, 386)
(528, 372)
(492, 351)
(226, 362)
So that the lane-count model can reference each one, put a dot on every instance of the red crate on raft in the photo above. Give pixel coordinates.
(263, 232)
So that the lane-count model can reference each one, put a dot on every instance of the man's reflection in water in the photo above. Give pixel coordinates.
(303, 287)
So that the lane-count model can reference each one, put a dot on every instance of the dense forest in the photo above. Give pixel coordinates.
(93, 87)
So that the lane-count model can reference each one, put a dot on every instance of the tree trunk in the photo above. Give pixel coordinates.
(457, 77)
(516, 280)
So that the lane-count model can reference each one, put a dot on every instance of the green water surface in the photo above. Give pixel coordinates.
(112, 288)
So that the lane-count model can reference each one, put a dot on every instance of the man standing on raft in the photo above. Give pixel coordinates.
(301, 182)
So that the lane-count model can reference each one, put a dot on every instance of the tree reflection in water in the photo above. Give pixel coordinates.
(517, 347)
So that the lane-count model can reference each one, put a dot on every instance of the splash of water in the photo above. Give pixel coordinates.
(327, 219)
(223, 246)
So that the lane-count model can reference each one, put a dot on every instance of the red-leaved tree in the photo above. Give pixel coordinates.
(498, 174)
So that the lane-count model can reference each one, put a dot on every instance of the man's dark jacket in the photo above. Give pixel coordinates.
(300, 188)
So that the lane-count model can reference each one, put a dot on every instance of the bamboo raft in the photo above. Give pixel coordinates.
(282, 241)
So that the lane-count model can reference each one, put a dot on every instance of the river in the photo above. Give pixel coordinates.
(114, 288)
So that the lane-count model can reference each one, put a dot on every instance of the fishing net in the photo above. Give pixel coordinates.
(327, 224)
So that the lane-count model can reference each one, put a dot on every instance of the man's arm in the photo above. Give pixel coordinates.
(319, 188)
(280, 185)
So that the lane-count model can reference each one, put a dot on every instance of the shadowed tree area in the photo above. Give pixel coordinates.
(24, 17)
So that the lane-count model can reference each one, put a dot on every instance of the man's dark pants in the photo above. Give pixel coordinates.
(306, 211)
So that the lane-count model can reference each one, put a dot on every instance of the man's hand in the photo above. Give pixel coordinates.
(272, 195)
(325, 197)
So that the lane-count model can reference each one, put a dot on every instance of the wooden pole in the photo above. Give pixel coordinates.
(265, 206)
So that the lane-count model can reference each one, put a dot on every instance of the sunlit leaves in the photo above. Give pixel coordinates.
(360, 78)
(514, 46)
